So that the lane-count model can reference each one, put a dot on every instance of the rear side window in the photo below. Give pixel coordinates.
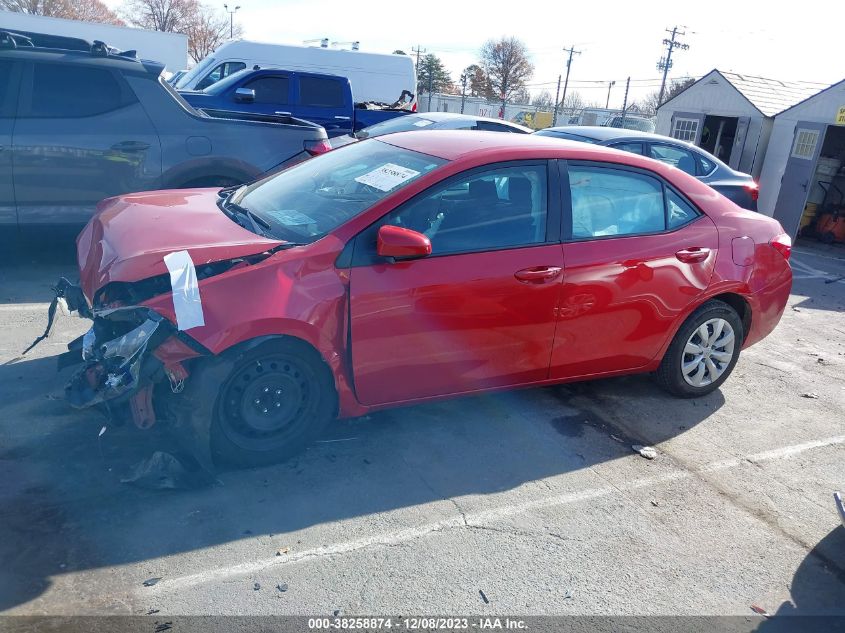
(5, 72)
(270, 89)
(314, 91)
(67, 91)
(677, 156)
(679, 211)
(608, 202)
(634, 148)
(493, 127)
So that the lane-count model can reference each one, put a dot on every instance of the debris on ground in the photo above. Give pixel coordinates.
(649, 452)
(613, 437)
(282, 587)
(149, 582)
(284, 550)
(810, 394)
(336, 612)
(759, 610)
(153, 611)
(483, 597)
(568, 596)
(163, 471)
(164, 626)
(655, 503)
(822, 361)
(256, 586)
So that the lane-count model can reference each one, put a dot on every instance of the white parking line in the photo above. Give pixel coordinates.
(475, 518)
(24, 307)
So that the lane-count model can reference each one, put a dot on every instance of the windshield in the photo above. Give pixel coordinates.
(185, 79)
(399, 124)
(303, 203)
(220, 86)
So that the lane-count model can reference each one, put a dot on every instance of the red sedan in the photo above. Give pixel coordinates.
(413, 267)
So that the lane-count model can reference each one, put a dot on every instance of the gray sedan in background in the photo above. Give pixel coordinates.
(734, 185)
(441, 121)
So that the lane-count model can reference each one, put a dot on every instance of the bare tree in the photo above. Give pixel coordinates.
(651, 102)
(205, 26)
(87, 10)
(172, 16)
(573, 102)
(505, 62)
(521, 97)
(207, 30)
(479, 83)
(543, 100)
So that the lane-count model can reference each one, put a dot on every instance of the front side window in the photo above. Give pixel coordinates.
(498, 208)
(675, 156)
(272, 90)
(325, 93)
(67, 91)
(304, 202)
(607, 202)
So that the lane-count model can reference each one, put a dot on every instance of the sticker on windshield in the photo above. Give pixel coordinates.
(387, 176)
(423, 123)
(290, 217)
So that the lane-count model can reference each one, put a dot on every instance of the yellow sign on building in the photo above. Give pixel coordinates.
(840, 116)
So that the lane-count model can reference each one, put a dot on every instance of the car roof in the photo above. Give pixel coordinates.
(455, 144)
(453, 116)
(35, 53)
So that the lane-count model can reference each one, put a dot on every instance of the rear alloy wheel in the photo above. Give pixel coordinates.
(703, 352)
(276, 399)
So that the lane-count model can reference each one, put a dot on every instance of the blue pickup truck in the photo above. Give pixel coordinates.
(322, 99)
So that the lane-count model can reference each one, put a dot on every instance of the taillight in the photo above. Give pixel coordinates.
(414, 107)
(317, 147)
(783, 245)
(753, 190)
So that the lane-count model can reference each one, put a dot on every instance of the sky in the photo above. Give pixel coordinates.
(616, 39)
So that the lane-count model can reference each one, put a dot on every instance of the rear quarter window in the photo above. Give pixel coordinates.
(325, 93)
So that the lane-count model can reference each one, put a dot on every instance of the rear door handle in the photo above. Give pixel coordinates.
(282, 113)
(130, 146)
(537, 274)
(693, 254)
(342, 118)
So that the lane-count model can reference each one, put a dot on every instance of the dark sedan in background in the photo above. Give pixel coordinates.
(734, 185)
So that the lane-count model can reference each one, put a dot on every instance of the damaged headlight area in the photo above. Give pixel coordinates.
(117, 357)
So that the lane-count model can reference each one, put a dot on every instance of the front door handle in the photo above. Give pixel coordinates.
(693, 254)
(280, 113)
(130, 146)
(537, 274)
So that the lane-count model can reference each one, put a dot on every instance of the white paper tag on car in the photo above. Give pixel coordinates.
(387, 176)
(186, 293)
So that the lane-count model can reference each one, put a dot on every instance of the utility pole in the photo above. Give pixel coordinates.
(665, 63)
(625, 103)
(571, 50)
(430, 70)
(610, 85)
(464, 80)
(231, 19)
(557, 94)
(417, 50)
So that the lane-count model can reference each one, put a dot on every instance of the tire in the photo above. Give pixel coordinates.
(277, 398)
(705, 371)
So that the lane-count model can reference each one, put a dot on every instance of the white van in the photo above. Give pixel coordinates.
(374, 77)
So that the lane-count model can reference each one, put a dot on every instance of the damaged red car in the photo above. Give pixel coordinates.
(407, 268)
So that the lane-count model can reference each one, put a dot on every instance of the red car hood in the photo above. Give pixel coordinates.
(129, 236)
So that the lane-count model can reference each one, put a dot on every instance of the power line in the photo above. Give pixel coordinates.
(665, 63)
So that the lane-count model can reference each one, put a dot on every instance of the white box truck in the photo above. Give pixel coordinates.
(375, 77)
(171, 49)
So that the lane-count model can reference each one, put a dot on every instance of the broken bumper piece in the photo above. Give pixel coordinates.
(117, 357)
(840, 505)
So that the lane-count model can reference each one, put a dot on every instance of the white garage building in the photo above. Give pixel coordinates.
(803, 172)
(730, 115)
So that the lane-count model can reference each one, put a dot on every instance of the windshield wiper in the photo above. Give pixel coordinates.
(254, 220)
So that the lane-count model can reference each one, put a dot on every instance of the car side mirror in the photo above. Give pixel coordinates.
(401, 243)
(244, 95)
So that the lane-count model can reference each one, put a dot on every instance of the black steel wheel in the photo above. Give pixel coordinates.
(276, 399)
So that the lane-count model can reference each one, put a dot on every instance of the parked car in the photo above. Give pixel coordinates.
(412, 267)
(375, 77)
(734, 185)
(78, 126)
(631, 122)
(441, 121)
(324, 99)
